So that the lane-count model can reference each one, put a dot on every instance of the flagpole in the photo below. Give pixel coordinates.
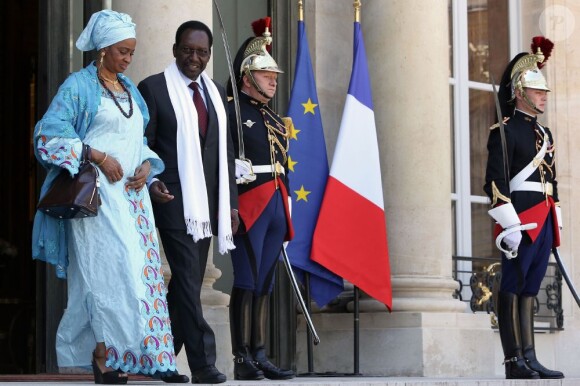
(357, 4)
(309, 340)
(356, 350)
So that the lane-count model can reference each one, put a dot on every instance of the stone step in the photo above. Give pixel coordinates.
(354, 381)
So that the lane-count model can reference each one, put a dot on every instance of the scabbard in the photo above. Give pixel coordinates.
(565, 275)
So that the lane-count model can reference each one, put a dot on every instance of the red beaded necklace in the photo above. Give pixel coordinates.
(126, 115)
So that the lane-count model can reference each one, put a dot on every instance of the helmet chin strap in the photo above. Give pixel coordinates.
(528, 101)
(255, 84)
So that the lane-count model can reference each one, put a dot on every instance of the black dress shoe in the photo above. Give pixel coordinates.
(544, 372)
(516, 368)
(273, 372)
(207, 374)
(246, 370)
(176, 378)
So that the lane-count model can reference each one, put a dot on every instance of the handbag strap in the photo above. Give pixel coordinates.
(86, 154)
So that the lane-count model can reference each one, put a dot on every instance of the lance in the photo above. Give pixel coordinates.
(564, 273)
(248, 175)
(506, 170)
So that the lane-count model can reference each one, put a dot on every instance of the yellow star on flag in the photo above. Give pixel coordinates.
(309, 106)
(291, 164)
(302, 194)
(294, 132)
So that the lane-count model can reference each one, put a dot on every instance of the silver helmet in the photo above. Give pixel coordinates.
(527, 74)
(256, 56)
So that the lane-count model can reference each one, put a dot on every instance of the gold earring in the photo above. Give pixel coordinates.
(101, 61)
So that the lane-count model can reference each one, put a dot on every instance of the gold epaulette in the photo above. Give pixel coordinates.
(495, 126)
(288, 124)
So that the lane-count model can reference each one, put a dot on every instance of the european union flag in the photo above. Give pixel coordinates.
(308, 165)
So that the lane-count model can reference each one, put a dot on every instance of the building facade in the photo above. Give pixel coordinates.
(432, 65)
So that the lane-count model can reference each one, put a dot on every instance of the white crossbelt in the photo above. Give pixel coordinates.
(529, 169)
(269, 168)
(530, 186)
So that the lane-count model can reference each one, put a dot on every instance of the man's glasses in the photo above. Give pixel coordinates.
(190, 51)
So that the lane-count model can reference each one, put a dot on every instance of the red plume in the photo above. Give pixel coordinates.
(259, 27)
(545, 45)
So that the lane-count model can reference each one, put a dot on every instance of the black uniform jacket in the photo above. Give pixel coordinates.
(524, 139)
(256, 117)
(161, 133)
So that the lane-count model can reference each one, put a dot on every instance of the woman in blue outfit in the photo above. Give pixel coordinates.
(116, 317)
(263, 210)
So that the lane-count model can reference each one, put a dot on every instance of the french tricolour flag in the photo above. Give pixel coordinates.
(350, 238)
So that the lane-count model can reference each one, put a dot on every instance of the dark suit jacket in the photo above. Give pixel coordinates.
(161, 133)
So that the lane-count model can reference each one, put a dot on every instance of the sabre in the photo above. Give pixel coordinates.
(299, 295)
(564, 272)
(505, 232)
(506, 170)
(233, 80)
(244, 170)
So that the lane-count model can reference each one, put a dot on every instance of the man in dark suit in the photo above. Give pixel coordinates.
(196, 195)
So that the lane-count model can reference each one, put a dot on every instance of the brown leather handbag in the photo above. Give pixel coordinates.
(73, 197)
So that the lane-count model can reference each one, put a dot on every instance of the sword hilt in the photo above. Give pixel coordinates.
(510, 254)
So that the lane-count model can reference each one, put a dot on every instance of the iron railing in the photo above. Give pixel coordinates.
(479, 279)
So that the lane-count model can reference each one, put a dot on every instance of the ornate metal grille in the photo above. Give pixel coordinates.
(479, 286)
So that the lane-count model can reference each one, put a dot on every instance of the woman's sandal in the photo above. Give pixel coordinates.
(112, 377)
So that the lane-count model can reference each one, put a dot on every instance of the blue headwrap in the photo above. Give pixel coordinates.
(106, 28)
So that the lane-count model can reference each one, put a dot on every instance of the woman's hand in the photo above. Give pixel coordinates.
(139, 180)
(109, 166)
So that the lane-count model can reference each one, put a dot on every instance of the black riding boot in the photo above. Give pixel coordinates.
(259, 324)
(526, 304)
(511, 341)
(241, 331)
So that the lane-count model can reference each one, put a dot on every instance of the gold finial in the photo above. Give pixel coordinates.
(357, 5)
(300, 10)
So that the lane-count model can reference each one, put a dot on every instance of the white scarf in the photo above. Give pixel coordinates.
(190, 165)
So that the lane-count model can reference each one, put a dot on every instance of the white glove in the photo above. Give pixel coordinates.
(513, 240)
(507, 217)
(244, 172)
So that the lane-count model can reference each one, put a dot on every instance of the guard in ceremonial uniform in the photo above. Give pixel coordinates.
(263, 209)
(521, 183)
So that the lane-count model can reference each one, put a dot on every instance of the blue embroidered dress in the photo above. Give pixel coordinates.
(116, 292)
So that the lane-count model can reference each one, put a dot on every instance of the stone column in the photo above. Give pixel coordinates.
(407, 45)
(157, 23)
(407, 48)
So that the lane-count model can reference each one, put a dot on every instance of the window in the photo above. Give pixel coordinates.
(481, 33)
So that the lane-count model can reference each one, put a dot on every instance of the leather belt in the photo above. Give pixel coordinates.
(277, 168)
(529, 186)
